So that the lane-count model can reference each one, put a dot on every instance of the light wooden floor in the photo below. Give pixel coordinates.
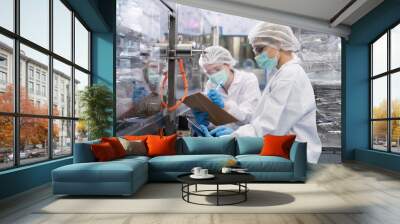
(351, 181)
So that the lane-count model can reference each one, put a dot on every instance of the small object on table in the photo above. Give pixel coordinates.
(232, 169)
(200, 173)
(239, 180)
(226, 170)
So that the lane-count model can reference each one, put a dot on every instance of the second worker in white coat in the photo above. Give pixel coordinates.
(287, 105)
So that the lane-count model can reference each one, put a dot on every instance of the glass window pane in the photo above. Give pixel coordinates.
(62, 138)
(6, 74)
(81, 45)
(379, 97)
(34, 96)
(7, 14)
(62, 89)
(33, 139)
(395, 47)
(6, 142)
(35, 21)
(379, 135)
(395, 136)
(81, 81)
(81, 131)
(62, 29)
(379, 55)
(395, 94)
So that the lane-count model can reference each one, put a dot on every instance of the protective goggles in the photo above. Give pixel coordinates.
(258, 49)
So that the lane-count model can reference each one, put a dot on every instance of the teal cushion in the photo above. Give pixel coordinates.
(133, 158)
(83, 152)
(249, 145)
(185, 163)
(206, 145)
(111, 171)
(257, 163)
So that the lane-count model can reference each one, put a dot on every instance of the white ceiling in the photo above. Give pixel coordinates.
(319, 9)
(308, 14)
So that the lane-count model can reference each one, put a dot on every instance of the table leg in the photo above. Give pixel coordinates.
(217, 194)
(182, 190)
(195, 188)
(245, 193)
(188, 190)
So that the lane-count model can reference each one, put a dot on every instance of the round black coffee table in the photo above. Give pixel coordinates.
(238, 179)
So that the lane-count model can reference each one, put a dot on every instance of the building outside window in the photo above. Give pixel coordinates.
(43, 90)
(37, 74)
(3, 72)
(43, 77)
(3, 78)
(38, 89)
(30, 72)
(30, 87)
(3, 61)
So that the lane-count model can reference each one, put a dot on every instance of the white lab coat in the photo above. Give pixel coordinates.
(287, 106)
(241, 98)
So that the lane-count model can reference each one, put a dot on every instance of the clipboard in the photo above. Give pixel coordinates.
(216, 115)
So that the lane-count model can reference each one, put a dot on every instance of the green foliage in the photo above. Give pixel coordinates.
(380, 127)
(97, 104)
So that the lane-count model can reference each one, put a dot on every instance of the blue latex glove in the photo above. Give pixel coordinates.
(197, 132)
(139, 93)
(206, 133)
(216, 97)
(201, 117)
(220, 131)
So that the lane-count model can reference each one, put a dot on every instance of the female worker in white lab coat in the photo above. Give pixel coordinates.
(233, 90)
(287, 105)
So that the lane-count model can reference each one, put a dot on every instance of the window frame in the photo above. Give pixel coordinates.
(388, 74)
(16, 114)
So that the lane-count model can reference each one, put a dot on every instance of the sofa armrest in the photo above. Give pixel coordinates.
(298, 155)
(83, 152)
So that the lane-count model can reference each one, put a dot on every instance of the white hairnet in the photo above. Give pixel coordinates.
(274, 35)
(216, 55)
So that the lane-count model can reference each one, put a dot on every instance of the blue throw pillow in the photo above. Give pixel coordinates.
(206, 145)
(249, 145)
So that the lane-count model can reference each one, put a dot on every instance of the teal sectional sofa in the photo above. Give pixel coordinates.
(125, 176)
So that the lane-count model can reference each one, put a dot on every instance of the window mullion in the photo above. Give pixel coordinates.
(371, 137)
(50, 81)
(73, 82)
(389, 101)
(16, 85)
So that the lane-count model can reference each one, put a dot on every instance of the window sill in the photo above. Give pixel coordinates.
(30, 166)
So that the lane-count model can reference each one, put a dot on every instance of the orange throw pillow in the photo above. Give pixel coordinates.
(161, 145)
(136, 137)
(116, 145)
(103, 152)
(277, 145)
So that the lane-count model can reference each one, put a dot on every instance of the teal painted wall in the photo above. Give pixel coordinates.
(99, 15)
(379, 159)
(103, 62)
(355, 68)
(103, 52)
(24, 178)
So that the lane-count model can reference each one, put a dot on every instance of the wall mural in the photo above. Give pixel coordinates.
(140, 67)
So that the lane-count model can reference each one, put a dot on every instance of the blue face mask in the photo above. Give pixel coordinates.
(265, 62)
(219, 78)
